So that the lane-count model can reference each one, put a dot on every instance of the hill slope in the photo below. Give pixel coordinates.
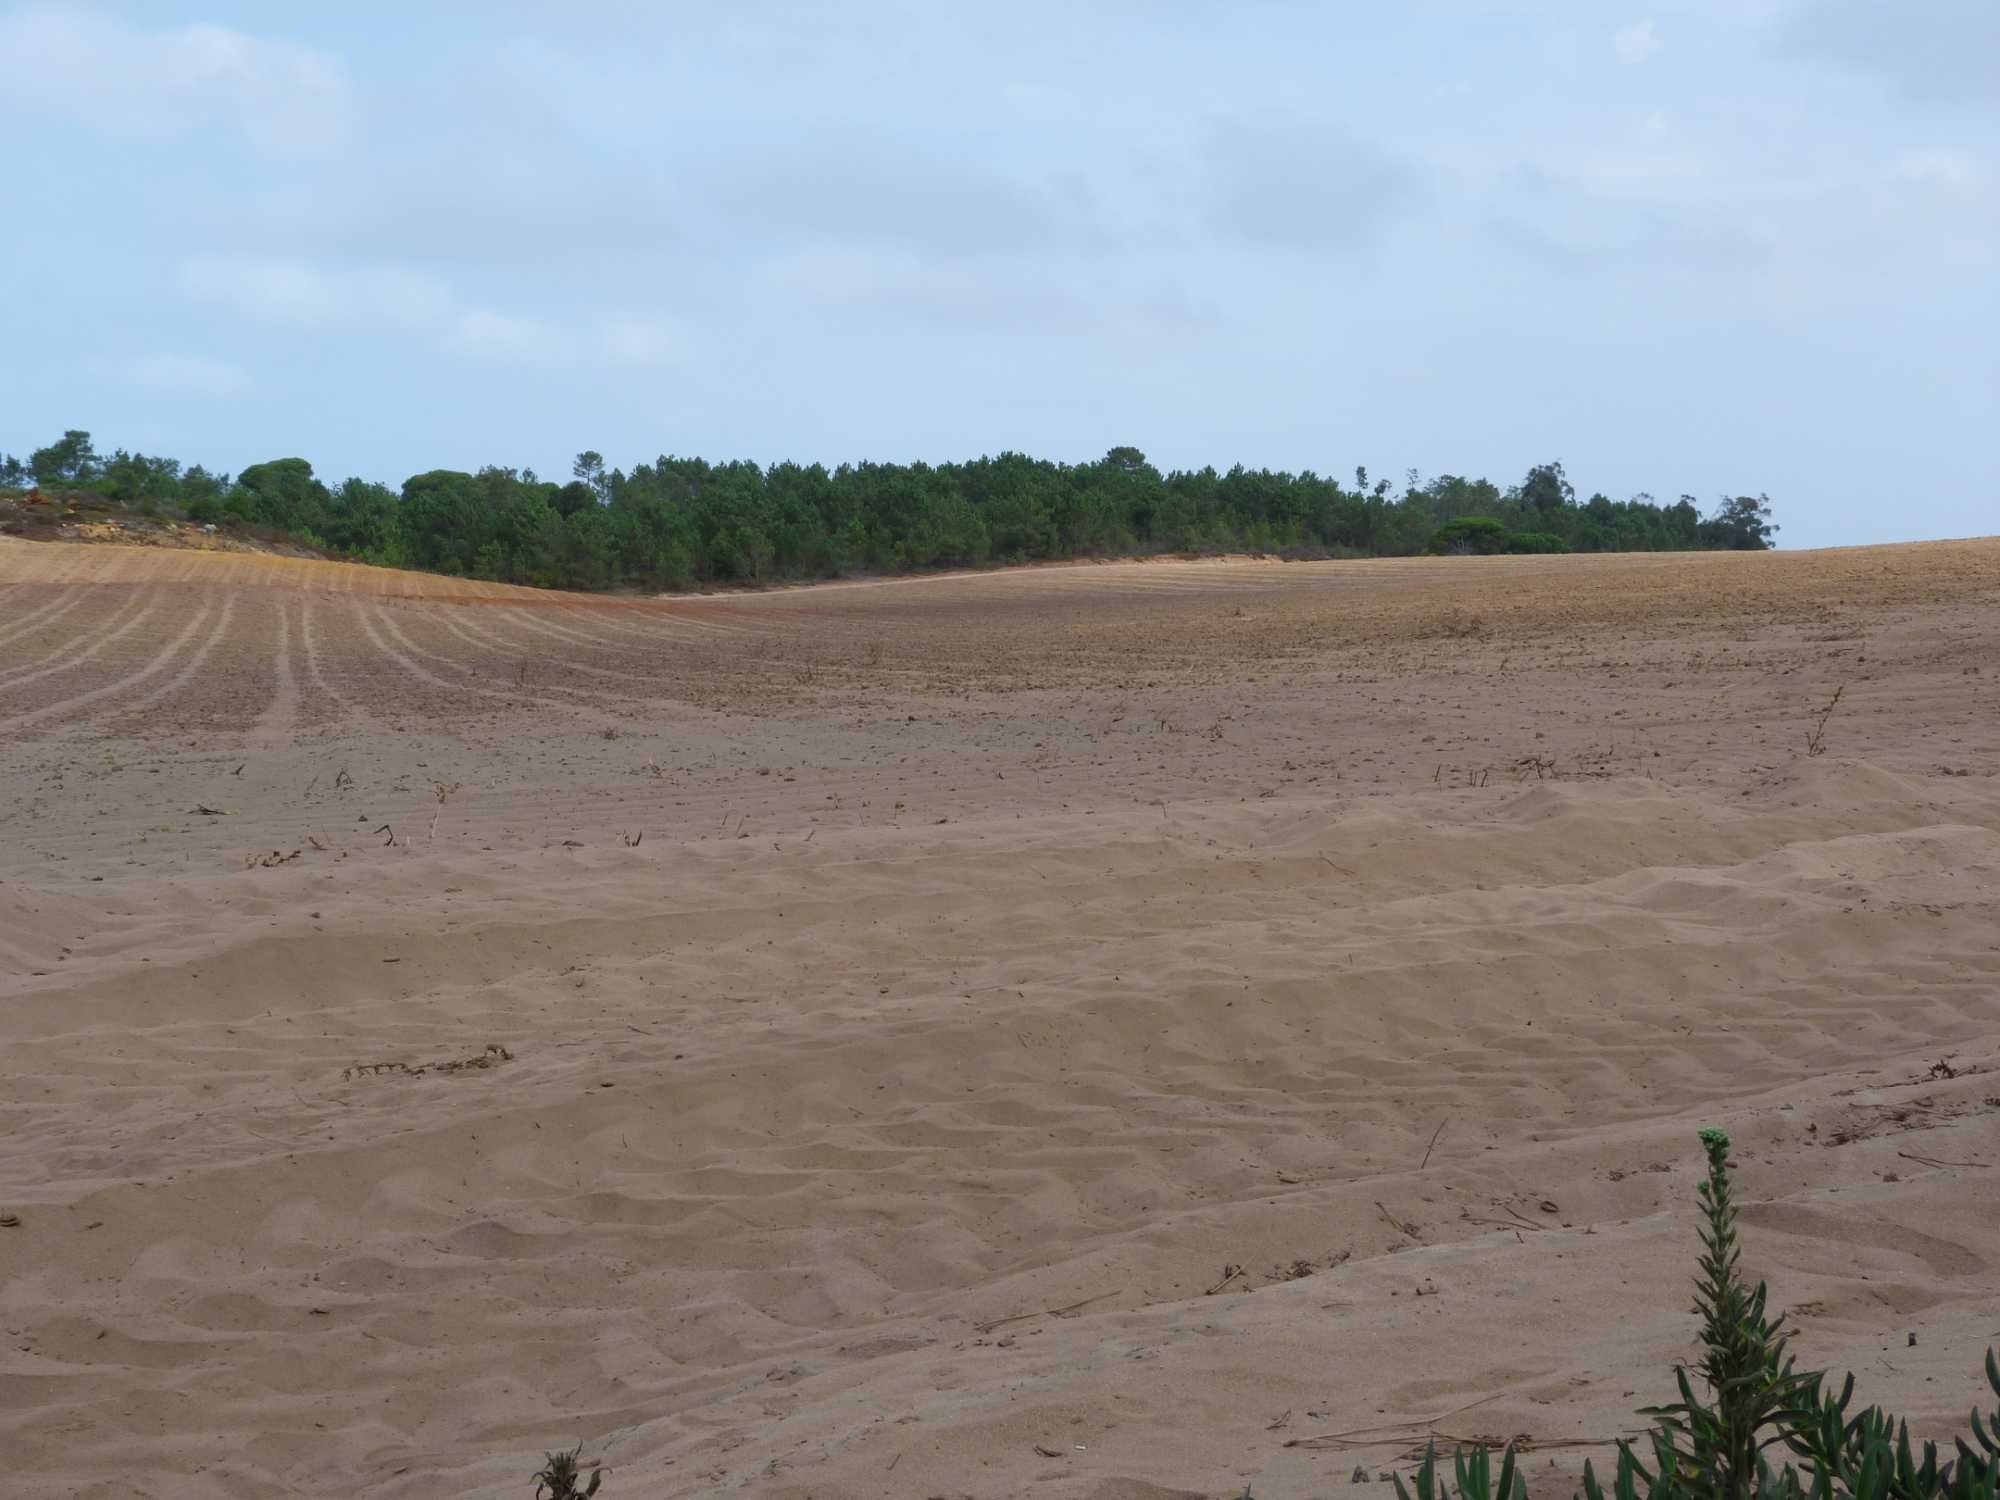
(833, 1043)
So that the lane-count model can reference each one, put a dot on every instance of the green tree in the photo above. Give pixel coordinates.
(1547, 488)
(135, 478)
(589, 471)
(588, 559)
(1741, 523)
(364, 520)
(441, 519)
(679, 520)
(70, 460)
(198, 483)
(284, 494)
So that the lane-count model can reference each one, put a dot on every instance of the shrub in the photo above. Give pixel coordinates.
(1535, 541)
(561, 1470)
(1483, 536)
(1713, 1446)
(1470, 534)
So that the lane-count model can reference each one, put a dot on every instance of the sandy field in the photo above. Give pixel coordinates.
(1097, 1033)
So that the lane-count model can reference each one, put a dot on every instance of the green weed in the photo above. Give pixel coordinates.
(1717, 1443)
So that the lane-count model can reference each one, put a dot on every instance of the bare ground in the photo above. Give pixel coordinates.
(1074, 1033)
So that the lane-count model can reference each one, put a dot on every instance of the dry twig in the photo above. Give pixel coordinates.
(1433, 1145)
(1408, 1231)
(492, 1057)
(1816, 736)
(1065, 1311)
(1932, 1161)
(1230, 1272)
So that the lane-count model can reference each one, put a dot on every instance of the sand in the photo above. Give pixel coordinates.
(1081, 1032)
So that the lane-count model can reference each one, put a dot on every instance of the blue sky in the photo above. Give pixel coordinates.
(1746, 245)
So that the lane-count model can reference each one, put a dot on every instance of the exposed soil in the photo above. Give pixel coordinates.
(1082, 1032)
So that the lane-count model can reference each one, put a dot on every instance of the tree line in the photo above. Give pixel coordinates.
(684, 522)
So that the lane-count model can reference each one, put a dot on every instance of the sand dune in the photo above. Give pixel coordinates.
(862, 1041)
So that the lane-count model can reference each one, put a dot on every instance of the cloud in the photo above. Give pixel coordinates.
(401, 298)
(868, 295)
(862, 187)
(879, 284)
(1947, 168)
(1623, 220)
(481, 331)
(638, 342)
(1636, 42)
(304, 295)
(1278, 180)
(1928, 49)
(279, 95)
(181, 375)
(267, 289)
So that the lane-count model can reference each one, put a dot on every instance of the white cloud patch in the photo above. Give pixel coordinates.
(640, 343)
(1946, 167)
(402, 298)
(186, 376)
(267, 289)
(858, 186)
(1636, 42)
(101, 72)
(483, 332)
(942, 292)
(393, 300)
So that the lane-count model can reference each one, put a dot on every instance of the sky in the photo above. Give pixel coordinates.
(1709, 247)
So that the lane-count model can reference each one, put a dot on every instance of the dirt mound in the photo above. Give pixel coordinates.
(36, 517)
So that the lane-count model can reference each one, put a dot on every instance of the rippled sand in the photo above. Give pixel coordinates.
(977, 1036)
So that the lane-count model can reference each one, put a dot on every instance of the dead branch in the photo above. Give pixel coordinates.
(492, 1057)
(1068, 1310)
(1408, 1231)
(1433, 1145)
(1230, 1272)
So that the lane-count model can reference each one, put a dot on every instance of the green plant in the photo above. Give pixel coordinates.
(1470, 534)
(1474, 1474)
(1869, 1455)
(1714, 1446)
(1485, 536)
(558, 1476)
(1535, 541)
